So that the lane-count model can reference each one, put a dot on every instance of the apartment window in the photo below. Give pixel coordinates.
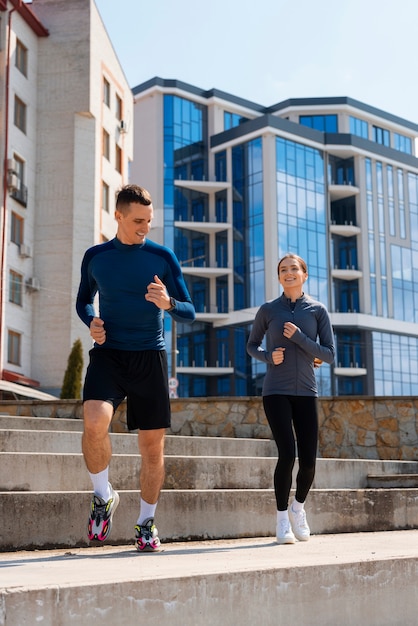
(14, 341)
(381, 135)
(119, 107)
(16, 234)
(21, 57)
(15, 287)
(106, 92)
(19, 191)
(324, 123)
(359, 127)
(118, 159)
(231, 120)
(105, 197)
(20, 114)
(402, 143)
(106, 144)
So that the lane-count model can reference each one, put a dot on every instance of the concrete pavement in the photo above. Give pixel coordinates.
(357, 578)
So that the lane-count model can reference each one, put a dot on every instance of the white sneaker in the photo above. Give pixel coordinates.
(284, 532)
(299, 524)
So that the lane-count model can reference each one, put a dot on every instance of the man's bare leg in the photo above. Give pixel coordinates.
(97, 451)
(96, 446)
(151, 449)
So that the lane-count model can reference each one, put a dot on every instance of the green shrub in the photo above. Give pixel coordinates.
(71, 386)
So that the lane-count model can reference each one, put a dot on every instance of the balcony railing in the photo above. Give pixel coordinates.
(20, 194)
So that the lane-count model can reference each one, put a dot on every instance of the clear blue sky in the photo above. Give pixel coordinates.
(270, 50)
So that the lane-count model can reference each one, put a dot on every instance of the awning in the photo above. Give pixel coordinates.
(23, 391)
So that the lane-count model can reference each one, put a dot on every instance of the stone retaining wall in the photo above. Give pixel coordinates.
(350, 427)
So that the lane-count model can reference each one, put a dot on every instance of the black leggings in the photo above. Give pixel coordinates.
(302, 412)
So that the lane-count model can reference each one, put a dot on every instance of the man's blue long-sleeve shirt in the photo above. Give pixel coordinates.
(120, 273)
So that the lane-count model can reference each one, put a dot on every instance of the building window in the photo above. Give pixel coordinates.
(231, 120)
(324, 123)
(17, 188)
(16, 234)
(20, 114)
(381, 135)
(402, 143)
(359, 127)
(15, 287)
(118, 159)
(106, 144)
(105, 197)
(106, 92)
(14, 341)
(119, 111)
(220, 165)
(21, 57)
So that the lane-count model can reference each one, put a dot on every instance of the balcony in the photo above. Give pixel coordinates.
(350, 371)
(341, 191)
(20, 194)
(202, 186)
(215, 370)
(344, 230)
(203, 227)
(206, 272)
(347, 274)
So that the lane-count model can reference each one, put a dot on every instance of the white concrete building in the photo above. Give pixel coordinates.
(66, 140)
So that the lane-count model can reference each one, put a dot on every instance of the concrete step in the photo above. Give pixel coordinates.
(393, 481)
(40, 423)
(52, 441)
(345, 580)
(36, 471)
(34, 520)
(27, 471)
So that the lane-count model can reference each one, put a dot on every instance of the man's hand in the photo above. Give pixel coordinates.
(97, 330)
(157, 294)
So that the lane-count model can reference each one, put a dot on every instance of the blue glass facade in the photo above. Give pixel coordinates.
(395, 364)
(186, 158)
(302, 221)
(248, 220)
(347, 204)
(301, 211)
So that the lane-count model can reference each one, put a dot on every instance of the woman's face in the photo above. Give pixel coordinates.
(291, 274)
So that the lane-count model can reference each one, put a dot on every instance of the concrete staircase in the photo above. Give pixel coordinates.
(218, 492)
(216, 488)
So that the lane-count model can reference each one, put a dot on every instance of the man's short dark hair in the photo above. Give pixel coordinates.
(132, 194)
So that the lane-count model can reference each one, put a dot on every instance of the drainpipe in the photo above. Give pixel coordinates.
(3, 276)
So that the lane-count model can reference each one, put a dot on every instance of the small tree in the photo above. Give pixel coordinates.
(71, 386)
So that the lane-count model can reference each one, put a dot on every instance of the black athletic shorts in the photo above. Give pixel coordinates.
(139, 376)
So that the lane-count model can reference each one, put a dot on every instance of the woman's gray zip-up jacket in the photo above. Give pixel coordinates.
(296, 375)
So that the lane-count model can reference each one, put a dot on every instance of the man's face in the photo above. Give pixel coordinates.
(135, 224)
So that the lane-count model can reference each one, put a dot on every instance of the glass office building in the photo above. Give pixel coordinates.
(236, 185)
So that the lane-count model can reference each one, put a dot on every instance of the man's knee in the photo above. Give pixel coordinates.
(97, 416)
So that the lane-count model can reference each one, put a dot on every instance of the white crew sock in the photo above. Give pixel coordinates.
(146, 511)
(282, 515)
(101, 485)
(297, 506)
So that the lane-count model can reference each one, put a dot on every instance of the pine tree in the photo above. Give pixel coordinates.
(71, 386)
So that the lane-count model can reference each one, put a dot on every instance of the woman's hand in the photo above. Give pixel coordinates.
(289, 329)
(278, 355)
